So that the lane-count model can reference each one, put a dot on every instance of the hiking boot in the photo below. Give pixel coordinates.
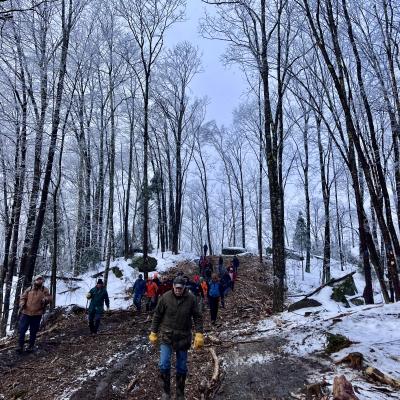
(180, 387)
(166, 378)
(19, 349)
(31, 349)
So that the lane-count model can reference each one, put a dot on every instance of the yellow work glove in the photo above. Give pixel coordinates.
(198, 341)
(153, 338)
(89, 295)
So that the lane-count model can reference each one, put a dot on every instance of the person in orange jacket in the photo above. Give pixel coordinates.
(203, 292)
(151, 294)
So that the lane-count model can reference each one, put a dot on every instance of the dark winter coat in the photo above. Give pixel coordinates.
(194, 287)
(235, 263)
(221, 270)
(139, 287)
(97, 299)
(164, 287)
(225, 281)
(173, 319)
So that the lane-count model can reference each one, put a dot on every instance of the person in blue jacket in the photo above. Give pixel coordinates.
(139, 288)
(214, 294)
(226, 285)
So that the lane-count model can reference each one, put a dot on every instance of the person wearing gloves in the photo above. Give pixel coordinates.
(97, 296)
(32, 305)
(172, 324)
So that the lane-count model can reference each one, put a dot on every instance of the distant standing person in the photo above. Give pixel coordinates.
(214, 294)
(151, 294)
(139, 289)
(221, 267)
(235, 263)
(205, 248)
(172, 322)
(32, 305)
(165, 286)
(226, 286)
(209, 269)
(203, 293)
(232, 276)
(97, 296)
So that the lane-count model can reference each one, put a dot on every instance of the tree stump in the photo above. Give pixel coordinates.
(355, 359)
(343, 389)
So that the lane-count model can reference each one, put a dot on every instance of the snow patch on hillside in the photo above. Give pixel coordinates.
(374, 329)
(74, 292)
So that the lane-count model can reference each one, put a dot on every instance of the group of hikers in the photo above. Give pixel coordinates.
(210, 286)
(176, 304)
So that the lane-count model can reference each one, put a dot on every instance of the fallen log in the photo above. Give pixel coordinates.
(332, 281)
(215, 374)
(98, 274)
(63, 278)
(378, 376)
(132, 384)
(343, 389)
(70, 290)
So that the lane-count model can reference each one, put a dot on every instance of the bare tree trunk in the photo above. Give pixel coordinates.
(204, 183)
(110, 222)
(324, 159)
(127, 249)
(20, 167)
(28, 262)
(56, 222)
(145, 183)
(307, 194)
(337, 216)
(7, 230)
(260, 199)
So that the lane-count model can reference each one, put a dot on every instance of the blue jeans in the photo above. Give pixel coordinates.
(165, 359)
(31, 322)
(137, 301)
(94, 320)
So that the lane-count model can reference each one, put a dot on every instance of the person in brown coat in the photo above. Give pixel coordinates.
(173, 318)
(32, 305)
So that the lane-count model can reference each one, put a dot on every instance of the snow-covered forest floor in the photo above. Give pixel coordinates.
(260, 356)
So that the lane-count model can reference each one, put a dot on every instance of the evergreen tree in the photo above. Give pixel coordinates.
(300, 234)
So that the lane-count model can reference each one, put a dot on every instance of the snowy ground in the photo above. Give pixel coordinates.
(374, 329)
(74, 292)
(267, 356)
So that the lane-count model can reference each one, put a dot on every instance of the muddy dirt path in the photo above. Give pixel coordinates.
(118, 363)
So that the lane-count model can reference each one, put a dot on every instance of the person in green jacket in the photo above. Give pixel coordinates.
(97, 296)
(172, 322)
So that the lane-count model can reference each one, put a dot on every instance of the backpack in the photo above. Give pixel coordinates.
(213, 290)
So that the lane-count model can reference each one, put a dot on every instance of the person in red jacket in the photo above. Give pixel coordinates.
(151, 294)
(166, 284)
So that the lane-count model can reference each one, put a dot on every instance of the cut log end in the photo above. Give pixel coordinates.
(343, 389)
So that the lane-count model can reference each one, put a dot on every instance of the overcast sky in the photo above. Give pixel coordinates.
(222, 85)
